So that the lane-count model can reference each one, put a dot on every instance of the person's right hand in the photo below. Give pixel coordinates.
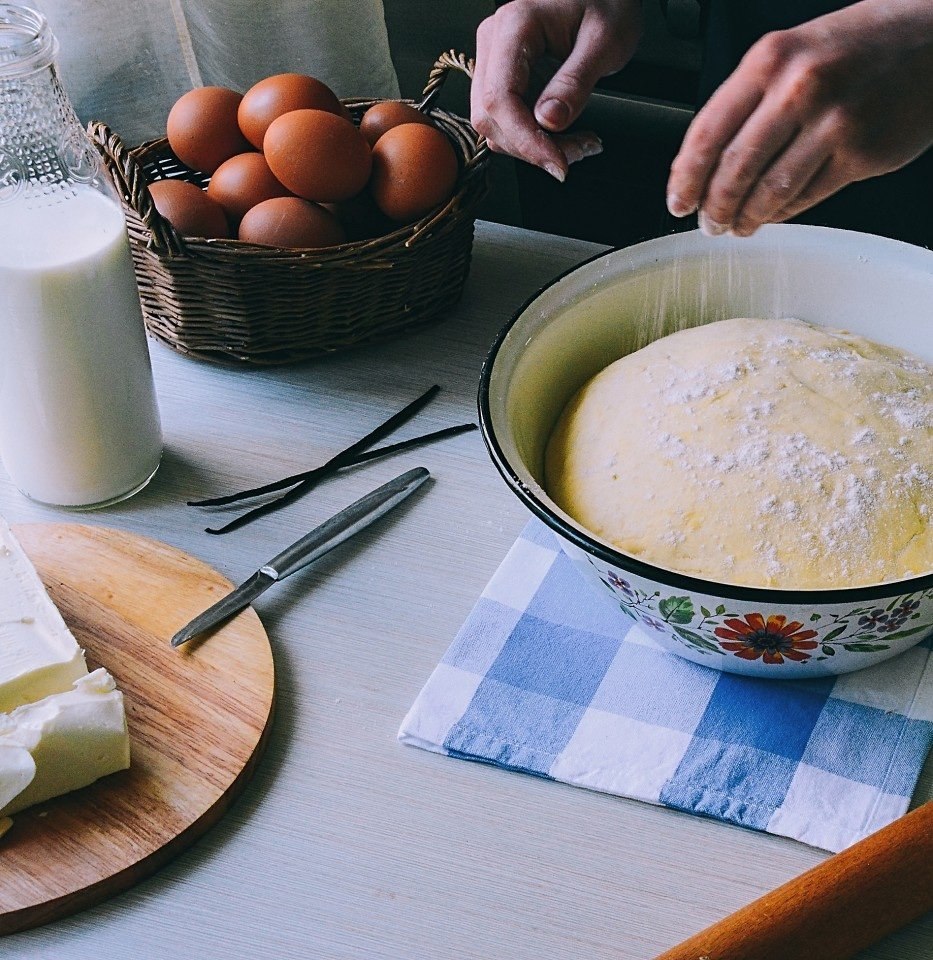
(841, 98)
(592, 38)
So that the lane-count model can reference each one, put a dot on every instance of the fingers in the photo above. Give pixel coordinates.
(808, 111)
(710, 133)
(745, 161)
(828, 180)
(773, 168)
(785, 184)
(505, 50)
(591, 58)
(480, 66)
(759, 146)
(592, 38)
(745, 155)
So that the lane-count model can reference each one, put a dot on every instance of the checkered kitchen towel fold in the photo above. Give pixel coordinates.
(825, 761)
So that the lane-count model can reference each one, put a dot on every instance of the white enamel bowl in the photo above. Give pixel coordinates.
(616, 303)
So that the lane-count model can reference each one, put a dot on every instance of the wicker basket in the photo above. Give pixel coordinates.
(231, 301)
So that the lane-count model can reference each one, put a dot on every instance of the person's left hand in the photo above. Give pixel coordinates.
(591, 38)
(844, 97)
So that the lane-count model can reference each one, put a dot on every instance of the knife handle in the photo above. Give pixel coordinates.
(344, 525)
(833, 911)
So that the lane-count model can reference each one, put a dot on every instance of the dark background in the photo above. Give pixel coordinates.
(641, 114)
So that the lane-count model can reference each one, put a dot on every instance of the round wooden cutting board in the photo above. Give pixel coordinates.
(198, 718)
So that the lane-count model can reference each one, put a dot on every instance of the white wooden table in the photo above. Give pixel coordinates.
(346, 844)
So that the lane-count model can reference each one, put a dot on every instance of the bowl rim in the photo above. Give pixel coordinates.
(589, 544)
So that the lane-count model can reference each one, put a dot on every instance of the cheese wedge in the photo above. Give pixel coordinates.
(17, 771)
(39, 655)
(61, 728)
(62, 743)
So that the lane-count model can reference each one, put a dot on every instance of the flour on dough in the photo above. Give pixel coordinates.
(758, 452)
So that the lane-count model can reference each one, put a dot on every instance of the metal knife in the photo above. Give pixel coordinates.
(338, 529)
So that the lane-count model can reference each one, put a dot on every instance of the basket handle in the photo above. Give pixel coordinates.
(447, 61)
(130, 181)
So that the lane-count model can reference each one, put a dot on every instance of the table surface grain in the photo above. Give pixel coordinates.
(347, 844)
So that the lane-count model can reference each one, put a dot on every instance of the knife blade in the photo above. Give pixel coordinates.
(322, 539)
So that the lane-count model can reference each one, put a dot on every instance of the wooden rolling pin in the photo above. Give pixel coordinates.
(848, 902)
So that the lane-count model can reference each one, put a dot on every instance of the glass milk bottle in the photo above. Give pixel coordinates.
(79, 422)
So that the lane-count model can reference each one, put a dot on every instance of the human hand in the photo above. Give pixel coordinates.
(844, 97)
(593, 38)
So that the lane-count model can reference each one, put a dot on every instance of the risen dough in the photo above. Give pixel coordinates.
(757, 452)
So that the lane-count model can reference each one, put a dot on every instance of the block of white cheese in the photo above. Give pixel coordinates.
(61, 728)
(38, 654)
(62, 742)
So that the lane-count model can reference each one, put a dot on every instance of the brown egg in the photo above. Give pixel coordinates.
(318, 155)
(414, 170)
(390, 113)
(202, 128)
(189, 209)
(241, 182)
(292, 223)
(270, 98)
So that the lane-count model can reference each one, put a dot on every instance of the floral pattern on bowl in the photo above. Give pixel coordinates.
(622, 299)
(796, 640)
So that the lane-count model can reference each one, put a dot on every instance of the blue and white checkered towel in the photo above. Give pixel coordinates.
(538, 680)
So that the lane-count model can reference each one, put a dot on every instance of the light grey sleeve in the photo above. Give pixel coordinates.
(126, 61)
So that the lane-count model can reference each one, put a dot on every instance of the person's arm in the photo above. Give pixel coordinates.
(844, 97)
(593, 38)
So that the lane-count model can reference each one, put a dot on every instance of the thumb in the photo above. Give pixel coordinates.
(596, 53)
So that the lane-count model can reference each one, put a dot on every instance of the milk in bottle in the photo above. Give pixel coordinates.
(79, 422)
